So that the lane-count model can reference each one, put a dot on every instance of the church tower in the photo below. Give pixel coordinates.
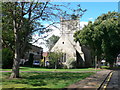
(69, 27)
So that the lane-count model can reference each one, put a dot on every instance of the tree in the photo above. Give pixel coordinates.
(25, 19)
(55, 59)
(9, 37)
(102, 36)
(8, 34)
(51, 41)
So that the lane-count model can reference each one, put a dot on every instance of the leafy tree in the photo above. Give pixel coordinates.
(102, 36)
(55, 59)
(25, 19)
(51, 41)
(8, 34)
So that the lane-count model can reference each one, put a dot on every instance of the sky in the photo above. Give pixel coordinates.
(94, 9)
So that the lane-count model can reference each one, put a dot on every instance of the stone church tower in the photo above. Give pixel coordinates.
(66, 43)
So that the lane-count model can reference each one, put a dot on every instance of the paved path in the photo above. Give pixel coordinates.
(114, 83)
(93, 82)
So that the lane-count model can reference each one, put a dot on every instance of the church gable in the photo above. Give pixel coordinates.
(64, 45)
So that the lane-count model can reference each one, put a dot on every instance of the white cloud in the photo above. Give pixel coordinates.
(90, 18)
(55, 30)
(82, 24)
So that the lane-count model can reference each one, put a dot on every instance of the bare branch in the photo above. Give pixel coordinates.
(41, 12)
(30, 11)
(39, 39)
(45, 27)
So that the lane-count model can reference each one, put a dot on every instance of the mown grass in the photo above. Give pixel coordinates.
(59, 70)
(42, 80)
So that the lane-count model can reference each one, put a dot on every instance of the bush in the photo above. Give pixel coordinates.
(7, 58)
(55, 60)
(71, 63)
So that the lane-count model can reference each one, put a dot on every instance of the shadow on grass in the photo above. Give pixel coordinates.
(47, 79)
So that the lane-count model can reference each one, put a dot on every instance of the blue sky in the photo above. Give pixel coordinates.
(94, 9)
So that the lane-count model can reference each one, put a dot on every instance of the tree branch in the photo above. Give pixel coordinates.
(41, 12)
(7, 45)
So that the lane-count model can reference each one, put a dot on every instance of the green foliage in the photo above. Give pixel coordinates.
(102, 36)
(7, 28)
(7, 58)
(55, 59)
(43, 80)
(51, 41)
(71, 63)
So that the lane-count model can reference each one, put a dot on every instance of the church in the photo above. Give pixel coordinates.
(70, 48)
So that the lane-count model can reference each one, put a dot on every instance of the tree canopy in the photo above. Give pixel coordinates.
(51, 41)
(102, 36)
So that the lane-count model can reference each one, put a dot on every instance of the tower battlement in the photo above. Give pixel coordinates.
(69, 26)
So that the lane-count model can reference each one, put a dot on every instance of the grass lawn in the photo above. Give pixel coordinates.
(43, 69)
(42, 80)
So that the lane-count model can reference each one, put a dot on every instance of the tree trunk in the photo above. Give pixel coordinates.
(96, 65)
(15, 69)
(55, 66)
(99, 63)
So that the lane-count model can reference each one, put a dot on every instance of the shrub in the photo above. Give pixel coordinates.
(7, 58)
(55, 59)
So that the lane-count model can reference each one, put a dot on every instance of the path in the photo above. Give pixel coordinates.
(92, 82)
(114, 83)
